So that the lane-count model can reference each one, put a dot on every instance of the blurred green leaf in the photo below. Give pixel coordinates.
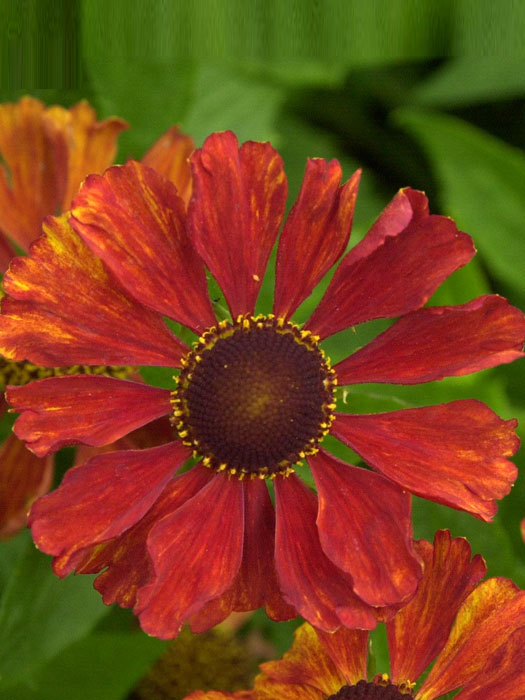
(472, 79)
(40, 614)
(103, 666)
(482, 183)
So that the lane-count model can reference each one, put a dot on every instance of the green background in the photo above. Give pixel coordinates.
(426, 94)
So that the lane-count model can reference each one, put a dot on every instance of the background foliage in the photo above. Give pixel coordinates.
(427, 94)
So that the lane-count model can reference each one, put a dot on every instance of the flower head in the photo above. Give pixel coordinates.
(472, 632)
(254, 395)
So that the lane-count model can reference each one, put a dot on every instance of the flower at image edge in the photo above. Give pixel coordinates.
(196, 545)
(472, 632)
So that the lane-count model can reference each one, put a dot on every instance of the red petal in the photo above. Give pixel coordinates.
(196, 553)
(6, 253)
(306, 663)
(23, 478)
(256, 583)
(62, 411)
(315, 234)
(319, 591)
(440, 341)
(419, 630)
(133, 220)
(485, 621)
(169, 156)
(454, 453)
(397, 277)
(89, 320)
(235, 213)
(103, 498)
(408, 207)
(365, 529)
(125, 560)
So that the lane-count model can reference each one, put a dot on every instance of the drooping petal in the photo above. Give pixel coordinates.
(196, 554)
(89, 320)
(220, 695)
(256, 584)
(365, 529)
(440, 341)
(315, 234)
(90, 146)
(103, 498)
(408, 207)
(454, 453)
(503, 674)
(420, 630)
(309, 581)
(48, 152)
(31, 181)
(348, 649)
(23, 478)
(491, 613)
(398, 276)
(235, 213)
(93, 410)
(133, 220)
(169, 156)
(124, 561)
(306, 662)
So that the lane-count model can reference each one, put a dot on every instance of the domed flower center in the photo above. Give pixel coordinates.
(365, 690)
(254, 397)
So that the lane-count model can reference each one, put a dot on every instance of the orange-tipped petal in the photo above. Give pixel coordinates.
(132, 218)
(23, 478)
(309, 581)
(235, 213)
(420, 630)
(365, 529)
(103, 498)
(440, 341)
(268, 689)
(485, 621)
(90, 320)
(307, 662)
(503, 674)
(124, 561)
(398, 276)
(93, 410)
(91, 145)
(348, 649)
(256, 584)
(47, 153)
(196, 553)
(170, 156)
(454, 453)
(315, 234)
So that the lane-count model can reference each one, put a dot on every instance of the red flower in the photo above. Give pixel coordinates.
(473, 632)
(254, 396)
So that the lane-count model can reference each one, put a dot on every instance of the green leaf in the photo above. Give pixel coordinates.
(105, 666)
(472, 79)
(41, 614)
(482, 182)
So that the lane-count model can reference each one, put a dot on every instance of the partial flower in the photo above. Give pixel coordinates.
(472, 632)
(256, 393)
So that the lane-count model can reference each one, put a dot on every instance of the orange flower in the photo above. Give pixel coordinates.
(46, 153)
(473, 633)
